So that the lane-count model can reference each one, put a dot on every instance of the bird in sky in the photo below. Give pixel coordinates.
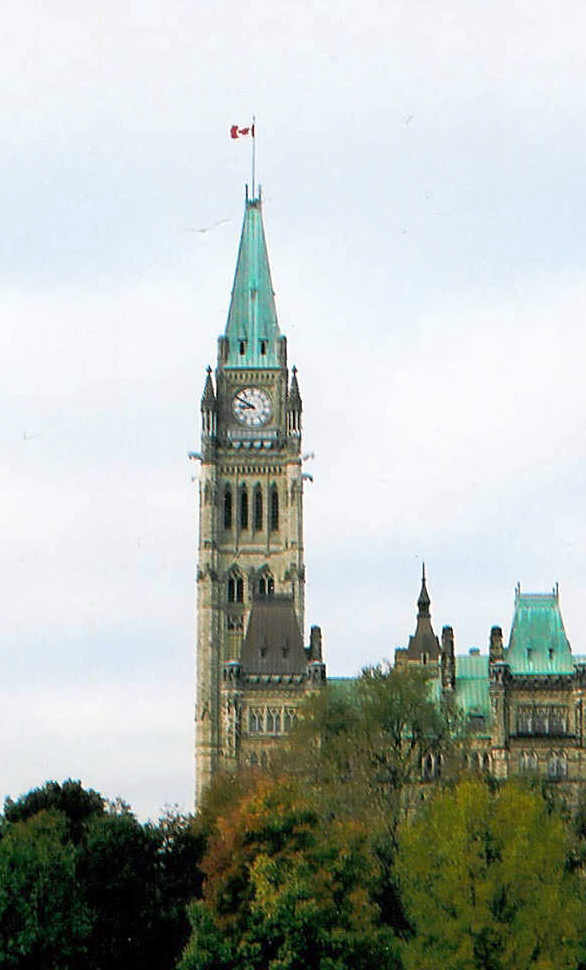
(214, 225)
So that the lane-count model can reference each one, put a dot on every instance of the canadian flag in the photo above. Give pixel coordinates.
(236, 132)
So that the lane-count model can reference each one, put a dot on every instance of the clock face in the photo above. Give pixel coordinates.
(252, 406)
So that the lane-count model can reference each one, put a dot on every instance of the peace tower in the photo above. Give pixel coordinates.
(253, 669)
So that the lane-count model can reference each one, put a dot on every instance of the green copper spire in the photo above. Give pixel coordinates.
(538, 641)
(252, 331)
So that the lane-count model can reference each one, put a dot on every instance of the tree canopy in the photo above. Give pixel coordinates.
(485, 881)
(284, 893)
(83, 884)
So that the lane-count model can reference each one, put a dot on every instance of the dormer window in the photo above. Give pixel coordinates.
(263, 348)
(242, 347)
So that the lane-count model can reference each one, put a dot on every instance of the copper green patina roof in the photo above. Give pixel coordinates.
(252, 329)
(472, 684)
(538, 642)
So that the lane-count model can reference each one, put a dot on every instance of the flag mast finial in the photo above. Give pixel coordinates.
(253, 151)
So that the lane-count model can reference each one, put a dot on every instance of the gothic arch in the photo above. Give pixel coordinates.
(274, 508)
(257, 513)
(235, 586)
(243, 507)
(265, 582)
(227, 506)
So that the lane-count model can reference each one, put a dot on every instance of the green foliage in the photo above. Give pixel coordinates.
(284, 892)
(44, 920)
(85, 885)
(71, 799)
(361, 747)
(486, 885)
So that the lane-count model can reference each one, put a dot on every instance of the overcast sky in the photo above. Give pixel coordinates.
(425, 209)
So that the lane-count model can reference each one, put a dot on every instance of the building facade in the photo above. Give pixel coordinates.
(253, 669)
(525, 701)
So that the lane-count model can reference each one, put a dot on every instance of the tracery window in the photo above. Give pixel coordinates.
(255, 720)
(542, 719)
(557, 767)
(289, 718)
(528, 761)
(266, 585)
(235, 589)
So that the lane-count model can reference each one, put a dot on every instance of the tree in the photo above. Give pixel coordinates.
(362, 747)
(285, 892)
(485, 883)
(84, 884)
(76, 803)
(44, 920)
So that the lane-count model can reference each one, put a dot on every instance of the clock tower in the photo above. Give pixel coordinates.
(252, 666)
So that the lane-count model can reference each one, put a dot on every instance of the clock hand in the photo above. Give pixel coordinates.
(245, 404)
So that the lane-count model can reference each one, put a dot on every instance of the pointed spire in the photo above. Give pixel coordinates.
(252, 330)
(423, 645)
(208, 398)
(424, 601)
(294, 395)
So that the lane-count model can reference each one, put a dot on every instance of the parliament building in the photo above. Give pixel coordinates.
(525, 701)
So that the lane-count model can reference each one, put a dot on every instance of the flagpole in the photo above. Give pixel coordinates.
(253, 151)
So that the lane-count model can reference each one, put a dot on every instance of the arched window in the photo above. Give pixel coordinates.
(257, 509)
(557, 766)
(266, 585)
(274, 509)
(428, 767)
(227, 507)
(243, 508)
(235, 589)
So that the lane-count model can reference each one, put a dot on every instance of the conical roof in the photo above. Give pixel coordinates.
(424, 642)
(208, 398)
(424, 602)
(252, 328)
(294, 401)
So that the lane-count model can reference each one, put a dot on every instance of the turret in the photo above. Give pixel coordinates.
(315, 650)
(209, 409)
(495, 649)
(294, 408)
(448, 659)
